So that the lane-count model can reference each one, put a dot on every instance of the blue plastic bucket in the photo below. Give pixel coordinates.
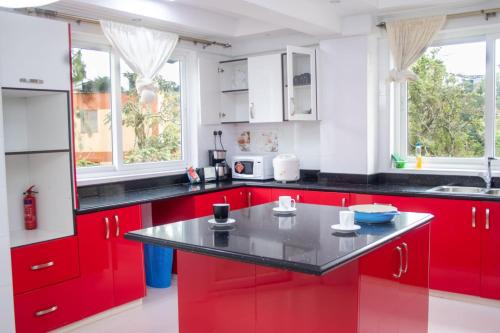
(158, 265)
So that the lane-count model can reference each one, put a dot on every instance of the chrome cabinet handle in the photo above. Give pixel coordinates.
(487, 224)
(225, 199)
(117, 222)
(292, 106)
(400, 252)
(46, 311)
(249, 197)
(343, 202)
(298, 197)
(407, 254)
(42, 266)
(252, 114)
(106, 221)
(473, 217)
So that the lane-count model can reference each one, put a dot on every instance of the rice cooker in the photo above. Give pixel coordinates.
(286, 168)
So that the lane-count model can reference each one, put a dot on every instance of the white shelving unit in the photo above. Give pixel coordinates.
(234, 91)
(37, 152)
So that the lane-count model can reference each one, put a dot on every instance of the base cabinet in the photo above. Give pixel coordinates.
(464, 242)
(383, 291)
(394, 286)
(112, 268)
(48, 308)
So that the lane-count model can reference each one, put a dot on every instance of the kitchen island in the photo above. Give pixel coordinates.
(271, 273)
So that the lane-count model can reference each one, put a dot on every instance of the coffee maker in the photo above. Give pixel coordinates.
(217, 159)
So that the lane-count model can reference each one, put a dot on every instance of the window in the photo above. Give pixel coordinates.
(152, 133)
(92, 107)
(446, 105)
(451, 108)
(114, 133)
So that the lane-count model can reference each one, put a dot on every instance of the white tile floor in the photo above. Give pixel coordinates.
(158, 313)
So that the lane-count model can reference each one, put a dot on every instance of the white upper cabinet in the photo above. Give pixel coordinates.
(300, 81)
(34, 53)
(265, 88)
(210, 101)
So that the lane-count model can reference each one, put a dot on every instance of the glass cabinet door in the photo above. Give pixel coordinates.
(301, 83)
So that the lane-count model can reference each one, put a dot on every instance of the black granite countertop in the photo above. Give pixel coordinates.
(304, 242)
(119, 196)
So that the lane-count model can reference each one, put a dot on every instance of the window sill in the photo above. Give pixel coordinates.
(433, 170)
(117, 176)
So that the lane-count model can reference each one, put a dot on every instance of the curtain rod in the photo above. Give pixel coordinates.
(487, 13)
(79, 19)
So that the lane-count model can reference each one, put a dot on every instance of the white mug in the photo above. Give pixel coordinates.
(346, 218)
(286, 202)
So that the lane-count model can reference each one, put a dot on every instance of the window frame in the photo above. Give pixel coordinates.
(119, 170)
(400, 100)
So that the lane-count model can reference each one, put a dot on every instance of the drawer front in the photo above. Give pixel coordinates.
(48, 308)
(43, 264)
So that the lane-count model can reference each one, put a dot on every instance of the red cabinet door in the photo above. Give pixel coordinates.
(314, 197)
(258, 196)
(332, 198)
(204, 202)
(173, 210)
(414, 282)
(43, 264)
(215, 295)
(48, 308)
(94, 245)
(237, 198)
(489, 224)
(128, 257)
(379, 295)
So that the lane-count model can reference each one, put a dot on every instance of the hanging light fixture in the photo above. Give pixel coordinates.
(24, 3)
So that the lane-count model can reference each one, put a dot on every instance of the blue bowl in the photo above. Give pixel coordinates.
(374, 217)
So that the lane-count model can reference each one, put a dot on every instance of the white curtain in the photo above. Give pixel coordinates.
(408, 40)
(145, 51)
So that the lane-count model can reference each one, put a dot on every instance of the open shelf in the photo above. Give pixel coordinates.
(26, 237)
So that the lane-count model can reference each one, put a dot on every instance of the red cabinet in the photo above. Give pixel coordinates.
(489, 224)
(215, 295)
(455, 261)
(48, 308)
(313, 197)
(44, 264)
(394, 286)
(302, 303)
(237, 198)
(173, 210)
(258, 196)
(112, 269)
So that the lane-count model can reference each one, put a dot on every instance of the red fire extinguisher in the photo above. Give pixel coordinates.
(29, 208)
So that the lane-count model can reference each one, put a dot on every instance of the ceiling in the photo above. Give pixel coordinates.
(236, 19)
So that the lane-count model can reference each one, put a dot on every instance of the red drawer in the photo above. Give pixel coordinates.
(48, 308)
(43, 264)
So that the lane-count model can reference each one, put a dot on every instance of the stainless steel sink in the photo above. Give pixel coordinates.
(460, 189)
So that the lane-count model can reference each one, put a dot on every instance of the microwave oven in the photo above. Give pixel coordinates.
(257, 167)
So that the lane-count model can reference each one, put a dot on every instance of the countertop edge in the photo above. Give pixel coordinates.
(297, 186)
(276, 263)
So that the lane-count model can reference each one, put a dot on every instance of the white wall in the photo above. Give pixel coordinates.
(347, 101)
(6, 300)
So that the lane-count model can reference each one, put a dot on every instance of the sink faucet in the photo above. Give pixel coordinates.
(487, 177)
